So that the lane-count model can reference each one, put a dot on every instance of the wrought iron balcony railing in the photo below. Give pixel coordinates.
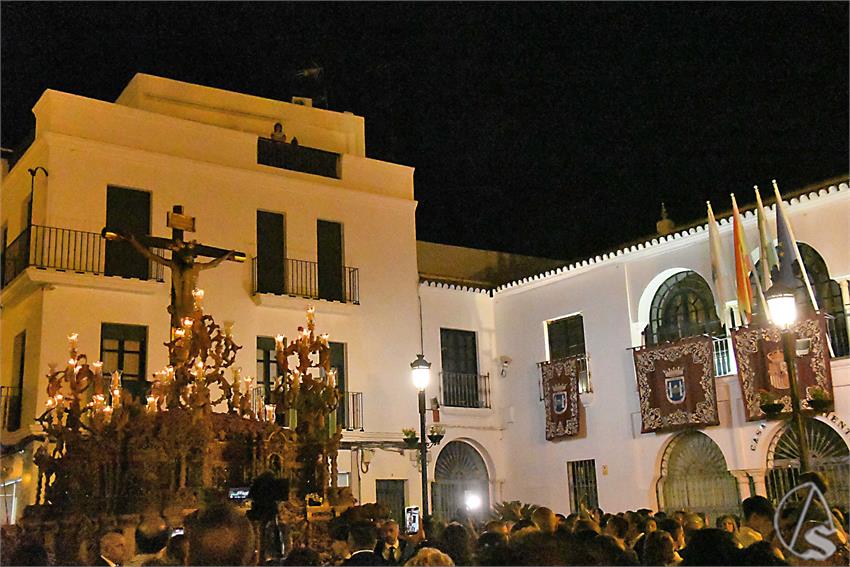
(63, 249)
(350, 412)
(724, 361)
(297, 158)
(461, 390)
(11, 405)
(300, 278)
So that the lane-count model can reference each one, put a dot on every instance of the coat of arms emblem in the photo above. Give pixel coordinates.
(674, 384)
(559, 402)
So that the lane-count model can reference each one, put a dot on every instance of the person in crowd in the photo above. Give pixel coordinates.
(674, 528)
(152, 535)
(730, 524)
(277, 134)
(219, 535)
(113, 549)
(758, 520)
(362, 538)
(492, 549)
(497, 527)
(29, 553)
(302, 556)
(605, 550)
(586, 529)
(660, 549)
(618, 528)
(693, 523)
(710, 546)
(545, 520)
(430, 556)
(760, 553)
(176, 553)
(391, 549)
(276, 540)
(569, 524)
(647, 526)
(456, 542)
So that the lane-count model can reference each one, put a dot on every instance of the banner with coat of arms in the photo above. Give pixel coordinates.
(675, 384)
(761, 363)
(560, 395)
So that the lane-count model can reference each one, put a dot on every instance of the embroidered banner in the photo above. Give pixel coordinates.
(761, 364)
(560, 395)
(676, 384)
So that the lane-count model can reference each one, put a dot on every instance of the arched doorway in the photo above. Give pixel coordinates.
(828, 454)
(460, 470)
(694, 477)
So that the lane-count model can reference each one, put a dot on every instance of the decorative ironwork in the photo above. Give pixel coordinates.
(463, 390)
(301, 279)
(695, 477)
(828, 454)
(61, 249)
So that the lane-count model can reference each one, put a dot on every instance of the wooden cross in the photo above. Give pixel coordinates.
(183, 265)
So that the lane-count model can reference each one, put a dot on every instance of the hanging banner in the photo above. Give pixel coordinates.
(675, 384)
(762, 368)
(560, 395)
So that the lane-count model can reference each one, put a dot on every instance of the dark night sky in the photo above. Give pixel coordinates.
(546, 129)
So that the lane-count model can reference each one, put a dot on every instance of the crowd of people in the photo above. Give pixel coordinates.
(220, 535)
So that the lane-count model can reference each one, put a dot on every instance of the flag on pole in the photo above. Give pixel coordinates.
(788, 250)
(767, 253)
(742, 282)
(718, 263)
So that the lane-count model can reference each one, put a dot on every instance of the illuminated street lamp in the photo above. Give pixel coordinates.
(420, 371)
(782, 304)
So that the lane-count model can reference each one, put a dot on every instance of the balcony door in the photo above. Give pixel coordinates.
(127, 211)
(270, 253)
(329, 235)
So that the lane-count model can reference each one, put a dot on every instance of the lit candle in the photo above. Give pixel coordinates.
(98, 367)
(186, 322)
(51, 402)
(179, 333)
(198, 295)
(228, 328)
(270, 411)
(311, 312)
(116, 380)
(151, 407)
(72, 340)
(279, 342)
(169, 373)
(72, 362)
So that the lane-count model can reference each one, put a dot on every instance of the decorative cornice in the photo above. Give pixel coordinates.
(698, 228)
(454, 286)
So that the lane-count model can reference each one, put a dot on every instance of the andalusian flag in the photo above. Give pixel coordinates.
(767, 253)
(718, 263)
(789, 251)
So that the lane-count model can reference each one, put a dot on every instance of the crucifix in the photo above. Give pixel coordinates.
(183, 264)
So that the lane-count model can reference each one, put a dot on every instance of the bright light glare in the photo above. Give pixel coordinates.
(473, 501)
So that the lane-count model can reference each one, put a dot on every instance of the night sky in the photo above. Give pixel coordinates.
(544, 129)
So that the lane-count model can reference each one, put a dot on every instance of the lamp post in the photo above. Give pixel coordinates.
(420, 370)
(783, 312)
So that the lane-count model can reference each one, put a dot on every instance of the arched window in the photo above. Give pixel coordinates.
(827, 292)
(682, 307)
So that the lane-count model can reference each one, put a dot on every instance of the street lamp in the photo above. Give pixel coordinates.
(782, 304)
(420, 371)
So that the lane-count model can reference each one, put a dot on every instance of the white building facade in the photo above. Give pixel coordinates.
(324, 225)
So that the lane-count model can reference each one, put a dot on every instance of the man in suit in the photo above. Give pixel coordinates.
(113, 549)
(391, 549)
(361, 542)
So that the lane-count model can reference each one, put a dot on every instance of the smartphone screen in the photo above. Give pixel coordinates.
(411, 519)
(176, 531)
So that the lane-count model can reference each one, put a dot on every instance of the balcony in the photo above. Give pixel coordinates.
(297, 158)
(724, 361)
(11, 402)
(460, 390)
(300, 278)
(350, 411)
(62, 249)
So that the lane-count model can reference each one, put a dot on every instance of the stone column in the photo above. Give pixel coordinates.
(743, 479)
(759, 481)
(355, 473)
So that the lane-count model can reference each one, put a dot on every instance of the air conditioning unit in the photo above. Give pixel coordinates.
(302, 100)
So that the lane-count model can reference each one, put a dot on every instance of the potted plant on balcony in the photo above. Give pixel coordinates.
(410, 437)
(769, 403)
(819, 399)
(436, 433)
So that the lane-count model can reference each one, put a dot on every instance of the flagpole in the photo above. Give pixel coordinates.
(748, 262)
(796, 248)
